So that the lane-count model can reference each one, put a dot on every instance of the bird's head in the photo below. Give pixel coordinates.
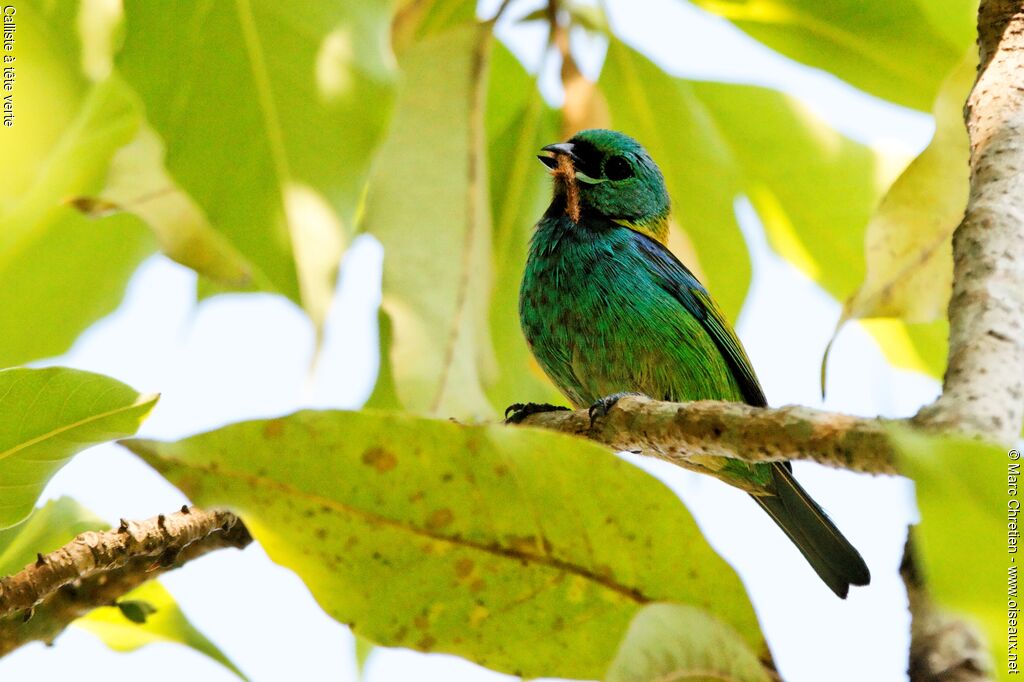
(610, 174)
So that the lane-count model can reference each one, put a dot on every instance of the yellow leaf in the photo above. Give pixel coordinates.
(908, 241)
(909, 257)
(162, 621)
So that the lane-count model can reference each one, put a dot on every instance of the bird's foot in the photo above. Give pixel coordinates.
(601, 407)
(517, 412)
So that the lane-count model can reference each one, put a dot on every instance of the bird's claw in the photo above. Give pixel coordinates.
(517, 412)
(601, 407)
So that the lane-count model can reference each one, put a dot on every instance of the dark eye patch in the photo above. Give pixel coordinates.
(617, 168)
(588, 158)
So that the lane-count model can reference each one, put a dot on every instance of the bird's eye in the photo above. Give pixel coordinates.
(617, 168)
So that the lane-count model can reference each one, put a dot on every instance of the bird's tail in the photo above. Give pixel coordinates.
(830, 554)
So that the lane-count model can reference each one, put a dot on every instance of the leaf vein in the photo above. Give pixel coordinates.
(162, 461)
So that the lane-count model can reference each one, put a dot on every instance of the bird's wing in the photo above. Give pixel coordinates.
(676, 279)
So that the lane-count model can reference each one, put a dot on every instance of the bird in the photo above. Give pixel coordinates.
(608, 310)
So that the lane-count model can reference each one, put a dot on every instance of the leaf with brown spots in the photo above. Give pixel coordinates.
(536, 544)
(380, 459)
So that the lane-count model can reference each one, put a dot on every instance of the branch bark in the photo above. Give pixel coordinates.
(983, 390)
(943, 647)
(96, 568)
(684, 433)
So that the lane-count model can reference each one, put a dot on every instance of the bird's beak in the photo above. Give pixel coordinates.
(560, 148)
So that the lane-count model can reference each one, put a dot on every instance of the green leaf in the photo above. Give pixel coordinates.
(898, 51)
(54, 525)
(695, 158)
(812, 188)
(519, 123)
(363, 650)
(385, 394)
(427, 203)
(508, 546)
(136, 610)
(416, 20)
(909, 239)
(139, 184)
(956, 20)
(65, 132)
(149, 615)
(49, 415)
(676, 642)
(966, 490)
(266, 123)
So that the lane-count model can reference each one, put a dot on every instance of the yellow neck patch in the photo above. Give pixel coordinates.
(656, 229)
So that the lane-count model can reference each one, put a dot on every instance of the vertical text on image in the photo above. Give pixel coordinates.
(9, 59)
(1012, 537)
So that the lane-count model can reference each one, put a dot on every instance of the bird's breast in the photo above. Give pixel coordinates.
(598, 322)
(578, 303)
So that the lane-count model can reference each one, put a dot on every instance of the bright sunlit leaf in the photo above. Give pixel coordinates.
(149, 615)
(59, 270)
(49, 415)
(967, 492)
(909, 239)
(898, 51)
(139, 184)
(507, 546)
(268, 124)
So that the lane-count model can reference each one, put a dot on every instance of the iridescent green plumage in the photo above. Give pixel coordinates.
(607, 308)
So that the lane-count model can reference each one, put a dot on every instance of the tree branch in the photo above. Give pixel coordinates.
(983, 390)
(683, 433)
(943, 647)
(96, 568)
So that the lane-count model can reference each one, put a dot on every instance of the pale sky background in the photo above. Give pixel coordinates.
(241, 357)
